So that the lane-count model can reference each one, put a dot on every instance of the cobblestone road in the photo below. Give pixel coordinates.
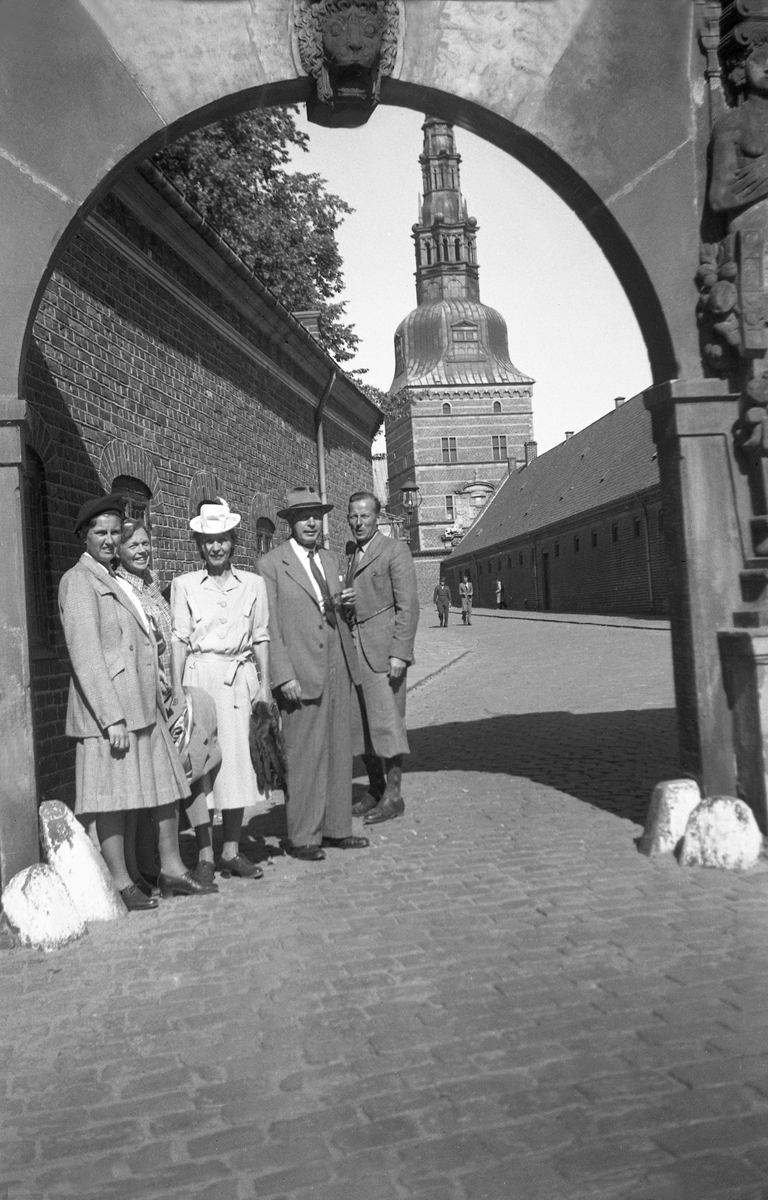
(500, 999)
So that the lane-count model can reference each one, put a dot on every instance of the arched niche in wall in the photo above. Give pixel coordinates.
(263, 523)
(204, 485)
(121, 459)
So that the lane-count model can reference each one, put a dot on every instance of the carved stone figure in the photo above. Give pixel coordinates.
(347, 46)
(733, 275)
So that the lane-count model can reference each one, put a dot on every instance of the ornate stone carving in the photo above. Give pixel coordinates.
(347, 47)
(733, 275)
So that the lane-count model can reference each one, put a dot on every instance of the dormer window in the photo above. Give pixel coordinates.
(464, 333)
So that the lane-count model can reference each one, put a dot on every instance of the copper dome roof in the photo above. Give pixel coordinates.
(453, 343)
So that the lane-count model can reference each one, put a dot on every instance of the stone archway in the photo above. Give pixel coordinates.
(566, 87)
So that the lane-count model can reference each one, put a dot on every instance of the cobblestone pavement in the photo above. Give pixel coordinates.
(500, 999)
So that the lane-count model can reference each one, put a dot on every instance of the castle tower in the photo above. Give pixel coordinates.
(469, 415)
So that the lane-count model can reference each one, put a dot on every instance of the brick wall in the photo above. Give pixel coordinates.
(597, 565)
(120, 373)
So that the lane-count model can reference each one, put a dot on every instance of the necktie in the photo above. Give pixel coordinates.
(322, 583)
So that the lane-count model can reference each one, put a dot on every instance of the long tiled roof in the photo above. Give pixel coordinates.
(612, 459)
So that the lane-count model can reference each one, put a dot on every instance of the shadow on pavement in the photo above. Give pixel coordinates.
(609, 759)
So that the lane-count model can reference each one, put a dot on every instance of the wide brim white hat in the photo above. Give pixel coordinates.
(215, 518)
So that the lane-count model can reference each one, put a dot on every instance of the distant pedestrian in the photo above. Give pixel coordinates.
(466, 592)
(500, 602)
(441, 599)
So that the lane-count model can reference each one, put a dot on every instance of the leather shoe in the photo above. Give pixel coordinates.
(184, 885)
(387, 810)
(135, 900)
(149, 889)
(310, 853)
(347, 843)
(204, 872)
(365, 805)
(239, 865)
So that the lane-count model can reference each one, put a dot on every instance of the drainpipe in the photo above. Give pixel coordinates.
(536, 576)
(320, 439)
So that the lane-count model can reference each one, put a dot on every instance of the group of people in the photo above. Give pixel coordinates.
(161, 695)
(441, 598)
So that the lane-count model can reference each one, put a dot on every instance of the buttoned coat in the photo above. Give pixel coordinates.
(387, 610)
(297, 628)
(114, 658)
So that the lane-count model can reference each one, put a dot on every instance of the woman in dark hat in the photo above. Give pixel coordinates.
(124, 758)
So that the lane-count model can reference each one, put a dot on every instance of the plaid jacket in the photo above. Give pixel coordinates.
(114, 659)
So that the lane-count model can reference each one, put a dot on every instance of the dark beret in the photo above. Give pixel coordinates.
(93, 508)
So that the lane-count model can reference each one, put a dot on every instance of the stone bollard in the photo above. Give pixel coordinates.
(671, 805)
(79, 865)
(38, 908)
(721, 832)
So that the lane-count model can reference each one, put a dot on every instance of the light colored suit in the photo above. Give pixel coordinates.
(114, 658)
(386, 618)
(317, 731)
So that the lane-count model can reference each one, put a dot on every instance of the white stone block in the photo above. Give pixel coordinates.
(80, 866)
(38, 907)
(721, 832)
(671, 805)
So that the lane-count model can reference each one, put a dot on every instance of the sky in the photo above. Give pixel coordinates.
(570, 324)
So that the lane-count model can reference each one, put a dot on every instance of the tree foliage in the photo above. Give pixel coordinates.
(282, 223)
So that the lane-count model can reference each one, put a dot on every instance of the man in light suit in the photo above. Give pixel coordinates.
(380, 570)
(314, 668)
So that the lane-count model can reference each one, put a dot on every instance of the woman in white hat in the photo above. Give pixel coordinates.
(221, 644)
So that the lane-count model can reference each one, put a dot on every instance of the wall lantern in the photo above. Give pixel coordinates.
(411, 496)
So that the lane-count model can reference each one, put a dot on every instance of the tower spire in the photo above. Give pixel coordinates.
(444, 237)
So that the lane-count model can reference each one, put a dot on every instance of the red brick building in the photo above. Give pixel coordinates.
(160, 367)
(579, 529)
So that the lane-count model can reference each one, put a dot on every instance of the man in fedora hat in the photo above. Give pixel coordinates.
(314, 669)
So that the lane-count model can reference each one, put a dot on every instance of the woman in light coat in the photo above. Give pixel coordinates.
(124, 757)
(221, 644)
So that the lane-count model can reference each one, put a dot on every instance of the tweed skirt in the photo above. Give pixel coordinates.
(148, 775)
(233, 784)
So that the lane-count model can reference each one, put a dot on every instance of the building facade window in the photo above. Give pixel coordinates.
(499, 442)
(509, 562)
(614, 533)
(446, 410)
(636, 526)
(464, 333)
(521, 558)
(557, 549)
(450, 509)
(661, 520)
(36, 500)
(594, 538)
(497, 406)
(576, 544)
(265, 536)
(136, 497)
(450, 453)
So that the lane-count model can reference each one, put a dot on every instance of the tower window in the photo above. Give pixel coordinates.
(448, 445)
(265, 536)
(445, 250)
(457, 249)
(497, 406)
(446, 410)
(499, 441)
(136, 497)
(450, 510)
(428, 253)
